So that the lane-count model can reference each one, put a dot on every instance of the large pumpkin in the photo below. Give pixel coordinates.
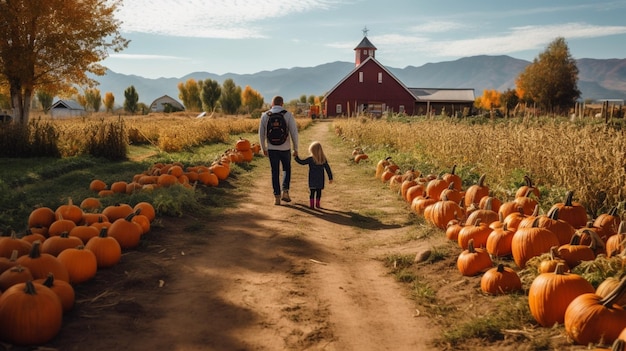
(550, 294)
(590, 318)
(30, 314)
(530, 242)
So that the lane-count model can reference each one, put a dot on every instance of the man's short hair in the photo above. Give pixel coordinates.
(277, 101)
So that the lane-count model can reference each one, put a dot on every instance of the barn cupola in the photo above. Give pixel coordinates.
(364, 50)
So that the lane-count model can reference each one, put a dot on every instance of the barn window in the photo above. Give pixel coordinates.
(380, 77)
(338, 109)
(360, 77)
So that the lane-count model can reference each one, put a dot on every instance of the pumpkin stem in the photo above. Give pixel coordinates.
(500, 268)
(35, 250)
(481, 180)
(529, 182)
(49, 282)
(29, 288)
(560, 269)
(569, 198)
(453, 169)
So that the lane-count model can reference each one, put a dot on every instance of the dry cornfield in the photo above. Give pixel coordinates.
(559, 155)
(167, 132)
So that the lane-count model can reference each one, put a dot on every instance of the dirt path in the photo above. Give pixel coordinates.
(262, 277)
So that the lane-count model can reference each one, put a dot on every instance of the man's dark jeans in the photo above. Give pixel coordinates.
(280, 158)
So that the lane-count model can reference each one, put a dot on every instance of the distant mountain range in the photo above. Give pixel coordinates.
(598, 79)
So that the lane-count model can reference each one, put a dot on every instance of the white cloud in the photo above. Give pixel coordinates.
(437, 27)
(517, 39)
(229, 19)
(147, 57)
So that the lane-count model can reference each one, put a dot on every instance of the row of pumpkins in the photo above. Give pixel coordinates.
(63, 247)
(67, 245)
(488, 229)
(168, 174)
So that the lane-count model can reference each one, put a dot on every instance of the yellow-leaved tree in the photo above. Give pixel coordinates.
(489, 100)
(251, 99)
(109, 101)
(53, 44)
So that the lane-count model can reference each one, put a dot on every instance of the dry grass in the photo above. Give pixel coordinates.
(559, 155)
(173, 132)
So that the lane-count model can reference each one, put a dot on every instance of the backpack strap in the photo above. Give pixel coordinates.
(269, 112)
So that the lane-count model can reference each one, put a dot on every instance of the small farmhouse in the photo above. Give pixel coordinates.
(372, 89)
(66, 109)
(166, 104)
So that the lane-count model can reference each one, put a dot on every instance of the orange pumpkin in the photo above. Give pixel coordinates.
(550, 294)
(475, 192)
(42, 216)
(572, 212)
(42, 264)
(63, 289)
(500, 280)
(69, 211)
(97, 185)
(126, 232)
(473, 260)
(107, 249)
(30, 314)
(530, 242)
(81, 264)
(590, 318)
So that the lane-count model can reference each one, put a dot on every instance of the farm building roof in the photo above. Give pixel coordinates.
(447, 95)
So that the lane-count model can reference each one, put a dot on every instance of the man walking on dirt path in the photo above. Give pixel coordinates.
(277, 132)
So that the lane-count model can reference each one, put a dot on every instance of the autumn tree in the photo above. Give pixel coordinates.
(52, 44)
(108, 101)
(230, 100)
(489, 100)
(509, 100)
(94, 99)
(45, 100)
(189, 93)
(210, 94)
(82, 100)
(551, 80)
(251, 99)
(131, 100)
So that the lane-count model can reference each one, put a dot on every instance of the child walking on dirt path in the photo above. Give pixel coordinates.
(317, 165)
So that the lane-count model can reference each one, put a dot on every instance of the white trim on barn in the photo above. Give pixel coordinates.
(66, 109)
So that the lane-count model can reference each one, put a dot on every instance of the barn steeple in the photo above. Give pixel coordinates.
(364, 50)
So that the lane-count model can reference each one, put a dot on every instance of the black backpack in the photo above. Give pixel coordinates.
(277, 130)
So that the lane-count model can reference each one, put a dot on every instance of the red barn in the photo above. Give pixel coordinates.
(371, 89)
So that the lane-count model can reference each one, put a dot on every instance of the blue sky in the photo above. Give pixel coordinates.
(172, 38)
